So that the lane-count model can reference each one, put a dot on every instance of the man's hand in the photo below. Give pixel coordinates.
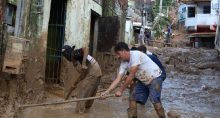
(118, 94)
(103, 94)
(84, 67)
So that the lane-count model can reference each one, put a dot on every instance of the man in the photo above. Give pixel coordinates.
(141, 36)
(132, 110)
(168, 34)
(154, 58)
(148, 37)
(140, 66)
(90, 71)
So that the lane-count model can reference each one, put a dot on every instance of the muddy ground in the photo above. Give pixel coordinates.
(191, 90)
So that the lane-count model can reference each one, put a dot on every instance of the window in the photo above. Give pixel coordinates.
(191, 12)
(206, 9)
(10, 14)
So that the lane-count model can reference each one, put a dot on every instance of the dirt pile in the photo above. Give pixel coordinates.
(14, 92)
(189, 60)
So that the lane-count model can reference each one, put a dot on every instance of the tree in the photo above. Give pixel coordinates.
(160, 19)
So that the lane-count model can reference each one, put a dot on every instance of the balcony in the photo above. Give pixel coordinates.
(190, 1)
(201, 20)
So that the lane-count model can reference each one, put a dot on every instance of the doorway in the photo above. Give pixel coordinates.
(55, 39)
(93, 33)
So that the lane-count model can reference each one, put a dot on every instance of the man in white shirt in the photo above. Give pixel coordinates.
(139, 66)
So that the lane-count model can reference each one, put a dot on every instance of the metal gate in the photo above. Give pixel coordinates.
(55, 40)
(3, 43)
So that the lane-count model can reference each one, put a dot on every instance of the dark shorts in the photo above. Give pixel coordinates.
(141, 91)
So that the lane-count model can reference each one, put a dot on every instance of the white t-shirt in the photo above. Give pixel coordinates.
(147, 69)
(148, 52)
(91, 59)
(94, 69)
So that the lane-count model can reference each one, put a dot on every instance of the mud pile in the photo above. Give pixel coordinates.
(191, 88)
(14, 92)
(189, 60)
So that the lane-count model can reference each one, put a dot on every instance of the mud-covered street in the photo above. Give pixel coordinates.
(54, 52)
(191, 90)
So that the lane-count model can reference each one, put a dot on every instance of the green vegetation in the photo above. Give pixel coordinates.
(108, 8)
(14, 2)
(160, 20)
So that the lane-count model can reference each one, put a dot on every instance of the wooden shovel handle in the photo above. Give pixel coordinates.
(67, 101)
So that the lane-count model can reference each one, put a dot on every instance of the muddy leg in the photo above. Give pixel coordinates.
(83, 92)
(94, 87)
(80, 106)
(160, 110)
(132, 110)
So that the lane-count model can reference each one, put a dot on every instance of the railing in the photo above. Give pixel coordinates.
(194, 1)
(201, 19)
(206, 19)
(190, 22)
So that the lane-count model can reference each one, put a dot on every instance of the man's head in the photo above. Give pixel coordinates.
(134, 48)
(122, 51)
(67, 52)
(142, 48)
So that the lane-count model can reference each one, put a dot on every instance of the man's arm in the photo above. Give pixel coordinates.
(128, 80)
(85, 54)
(113, 85)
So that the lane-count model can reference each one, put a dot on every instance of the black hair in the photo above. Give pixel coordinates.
(134, 48)
(67, 53)
(142, 48)
(78, 55)
(121, 46)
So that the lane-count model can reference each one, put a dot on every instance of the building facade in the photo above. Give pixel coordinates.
(199, 18)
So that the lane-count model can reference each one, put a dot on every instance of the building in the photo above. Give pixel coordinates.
(50, 24)
(199, 18)
(217, 38)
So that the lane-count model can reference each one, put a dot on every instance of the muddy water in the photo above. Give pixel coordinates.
(188, 92)
(109, 108)
(185, 96)
(193, 96)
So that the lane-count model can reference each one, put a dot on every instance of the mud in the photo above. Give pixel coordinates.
(191, 90)
(23, 89)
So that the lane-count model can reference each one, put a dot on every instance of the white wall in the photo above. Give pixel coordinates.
(77, 30)
(46, 15)
(182, 12)
(129, 38)
(200, 18)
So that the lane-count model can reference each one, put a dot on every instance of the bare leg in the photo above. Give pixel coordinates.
(132, 110)
(160, 110)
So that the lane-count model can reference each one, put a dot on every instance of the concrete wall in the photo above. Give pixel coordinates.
(200, 18)
(77, 31)
(129, 36)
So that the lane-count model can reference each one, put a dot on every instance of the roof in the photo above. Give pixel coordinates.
(138, 24)
(194, 1)
(202, 34)
(187, 1)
